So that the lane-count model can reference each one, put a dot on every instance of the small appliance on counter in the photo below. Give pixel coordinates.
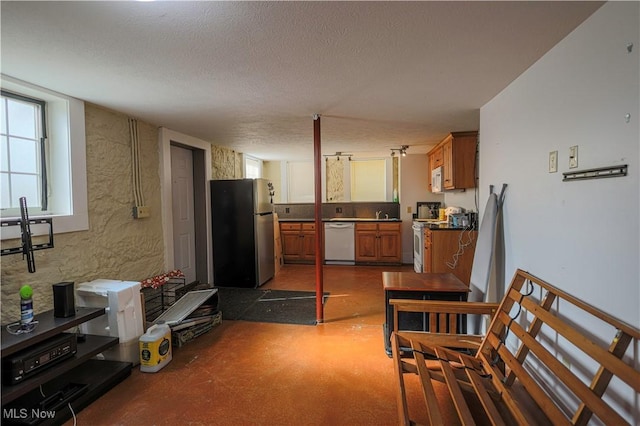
(449, 211)
(463, 220)
(428, 209)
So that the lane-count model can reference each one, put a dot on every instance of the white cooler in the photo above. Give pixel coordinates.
(123, 315)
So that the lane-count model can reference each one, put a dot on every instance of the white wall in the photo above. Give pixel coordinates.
(581, 236)
(467, 199)
(414, 187)
(272, 170)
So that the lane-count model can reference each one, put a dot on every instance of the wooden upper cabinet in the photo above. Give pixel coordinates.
(436, 157)
(447, 169)
(457, 153)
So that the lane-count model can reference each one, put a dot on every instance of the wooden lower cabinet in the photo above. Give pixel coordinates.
(298, 242)
(440, 248)
(378, 243)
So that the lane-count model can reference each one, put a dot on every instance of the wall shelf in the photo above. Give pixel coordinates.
(48, 326)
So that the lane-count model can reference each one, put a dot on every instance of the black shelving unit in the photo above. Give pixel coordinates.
(94, 377)
(157, 300)
(48, 326)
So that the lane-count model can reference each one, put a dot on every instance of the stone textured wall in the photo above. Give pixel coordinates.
(335, 179)
(225, 163)
(396, 178)
(116, 246)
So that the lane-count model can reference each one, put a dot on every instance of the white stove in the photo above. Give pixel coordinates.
(418, 244)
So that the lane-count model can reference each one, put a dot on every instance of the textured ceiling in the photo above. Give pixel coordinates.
(250, 75)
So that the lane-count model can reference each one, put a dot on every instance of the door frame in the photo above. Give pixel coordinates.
(201, 179)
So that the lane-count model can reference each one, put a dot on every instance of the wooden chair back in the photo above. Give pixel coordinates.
(540, 347)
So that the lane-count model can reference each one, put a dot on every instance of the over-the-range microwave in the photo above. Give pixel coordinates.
(436, 179)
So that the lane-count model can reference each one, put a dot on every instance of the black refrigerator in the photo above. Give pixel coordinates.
(242, 231)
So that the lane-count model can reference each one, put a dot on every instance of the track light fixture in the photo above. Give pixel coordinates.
(338, 154)
(401, 151)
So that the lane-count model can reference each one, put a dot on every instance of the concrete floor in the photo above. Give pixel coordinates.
(335, 373)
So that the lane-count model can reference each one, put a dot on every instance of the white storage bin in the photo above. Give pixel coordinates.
(121, 300)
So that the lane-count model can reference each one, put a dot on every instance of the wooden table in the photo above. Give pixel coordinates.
(411, 285)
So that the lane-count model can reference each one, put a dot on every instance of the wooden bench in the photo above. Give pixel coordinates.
(534, 365)
(444, 319)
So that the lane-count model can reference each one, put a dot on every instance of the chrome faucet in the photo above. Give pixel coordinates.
(378, 214)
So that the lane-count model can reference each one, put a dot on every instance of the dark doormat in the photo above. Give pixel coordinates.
(279, 306)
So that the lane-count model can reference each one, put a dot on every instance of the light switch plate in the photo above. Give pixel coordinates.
(573, 157)
(553, 161)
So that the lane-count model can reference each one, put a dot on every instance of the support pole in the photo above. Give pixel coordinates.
(317, 153)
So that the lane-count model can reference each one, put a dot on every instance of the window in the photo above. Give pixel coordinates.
(300, 180)
(53, 170)
(22, 147)
(369, 180)
(252, 167)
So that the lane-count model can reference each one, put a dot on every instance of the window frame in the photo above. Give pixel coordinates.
(250, 159)
(66, 159)
(42, 136)
(385, 178)
(299, 177)
(286, 177)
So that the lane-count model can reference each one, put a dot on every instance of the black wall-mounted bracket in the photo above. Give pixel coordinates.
(602, 172)
(27, 247)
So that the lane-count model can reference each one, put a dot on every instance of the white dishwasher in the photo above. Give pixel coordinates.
(339, 243)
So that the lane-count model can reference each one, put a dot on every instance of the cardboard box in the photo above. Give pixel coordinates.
(278, 259)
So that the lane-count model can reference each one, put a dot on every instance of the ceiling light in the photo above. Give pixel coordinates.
(402, 150)
(338, 154)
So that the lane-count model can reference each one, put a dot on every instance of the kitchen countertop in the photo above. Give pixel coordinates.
(340, 219)
(432, 226)
(441, 226)
(446, 227)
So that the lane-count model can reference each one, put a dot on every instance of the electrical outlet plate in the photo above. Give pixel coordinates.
(573, 157)
(553, 161)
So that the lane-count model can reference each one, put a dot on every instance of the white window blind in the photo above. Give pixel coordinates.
(252, 168)
(300, 182)
(368, 180)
